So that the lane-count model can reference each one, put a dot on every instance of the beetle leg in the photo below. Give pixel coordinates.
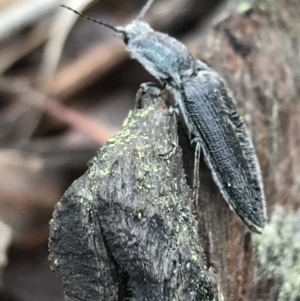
(196, 178)
(174, 111)
(149, 89)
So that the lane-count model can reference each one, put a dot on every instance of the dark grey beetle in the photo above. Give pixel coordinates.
(205, 104)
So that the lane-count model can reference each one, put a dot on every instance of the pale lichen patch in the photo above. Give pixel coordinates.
(277, 252)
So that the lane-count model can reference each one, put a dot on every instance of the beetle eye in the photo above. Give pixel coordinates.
(125, 37)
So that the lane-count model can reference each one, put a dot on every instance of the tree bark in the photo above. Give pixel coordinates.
(126, 229)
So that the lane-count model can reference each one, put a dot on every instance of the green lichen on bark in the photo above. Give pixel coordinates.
(134, 195)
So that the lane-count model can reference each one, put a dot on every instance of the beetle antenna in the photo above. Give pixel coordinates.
(145, 9)
(94, 20)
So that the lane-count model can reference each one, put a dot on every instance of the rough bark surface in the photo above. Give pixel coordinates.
(125, 229)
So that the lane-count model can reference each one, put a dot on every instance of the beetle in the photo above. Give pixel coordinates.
(206, 106)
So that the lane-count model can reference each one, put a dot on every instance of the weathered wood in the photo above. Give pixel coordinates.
(125, 229)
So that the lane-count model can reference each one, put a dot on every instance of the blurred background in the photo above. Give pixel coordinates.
(66, 86)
